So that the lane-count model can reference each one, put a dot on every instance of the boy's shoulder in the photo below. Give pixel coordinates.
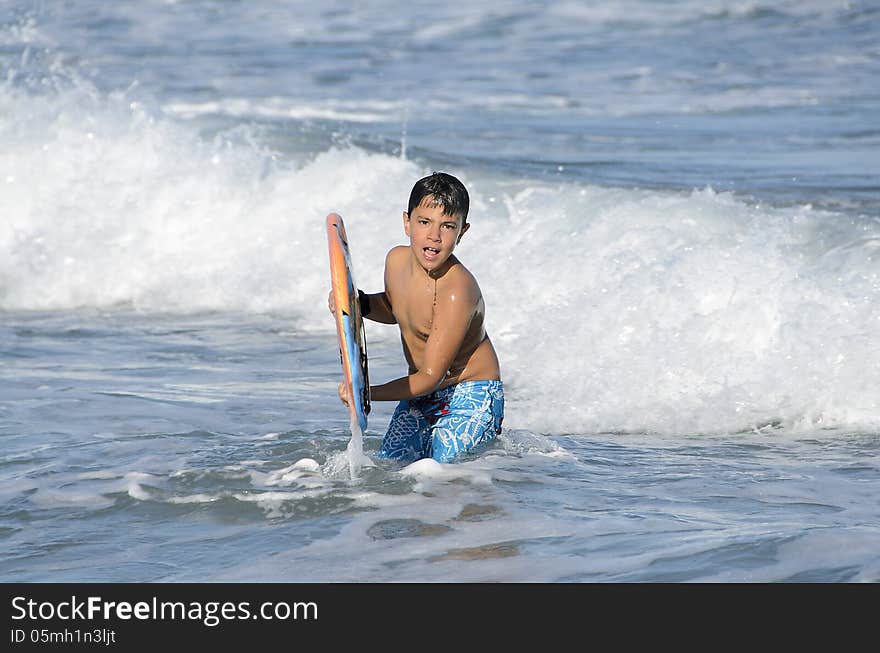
(397, 252)
(396, 258)
(459, 280)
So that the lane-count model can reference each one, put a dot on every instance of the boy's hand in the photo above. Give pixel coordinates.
(331, 302)
(343, 392)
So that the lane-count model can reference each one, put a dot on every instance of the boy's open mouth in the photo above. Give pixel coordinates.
(430, 252)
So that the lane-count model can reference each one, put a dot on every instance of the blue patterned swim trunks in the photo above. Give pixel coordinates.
(445, 423)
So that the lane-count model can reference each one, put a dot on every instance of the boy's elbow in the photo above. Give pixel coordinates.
(430, 381)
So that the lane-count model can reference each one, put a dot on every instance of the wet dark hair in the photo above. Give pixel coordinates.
(445, 191)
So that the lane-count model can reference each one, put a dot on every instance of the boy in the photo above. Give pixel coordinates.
(452, 399)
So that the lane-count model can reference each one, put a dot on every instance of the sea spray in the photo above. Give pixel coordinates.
(354, 452)
(107, 203)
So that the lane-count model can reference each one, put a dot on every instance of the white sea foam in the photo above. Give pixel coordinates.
(52, 498)
(134, 488)
(307, 464)
(682, 312)
(288, 475)
(279, 107)
(427, 470)
(194, 498)
(108, 204)
(652, 14)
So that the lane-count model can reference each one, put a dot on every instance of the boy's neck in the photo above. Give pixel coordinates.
(439, 272)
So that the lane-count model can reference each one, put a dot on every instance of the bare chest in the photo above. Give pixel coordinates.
(413, 308)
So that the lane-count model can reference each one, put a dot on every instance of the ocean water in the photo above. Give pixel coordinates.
(675, 224)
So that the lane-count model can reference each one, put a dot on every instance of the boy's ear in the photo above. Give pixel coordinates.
(406, 223)
(464, 228)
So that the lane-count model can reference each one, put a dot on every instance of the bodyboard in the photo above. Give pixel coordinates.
(349, 323)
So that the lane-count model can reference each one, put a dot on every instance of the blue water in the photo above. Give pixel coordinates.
(675, 224)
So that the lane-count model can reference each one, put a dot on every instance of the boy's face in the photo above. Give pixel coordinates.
(432, 235)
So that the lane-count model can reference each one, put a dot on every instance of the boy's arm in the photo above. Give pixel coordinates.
(452, 316)
(376, 307)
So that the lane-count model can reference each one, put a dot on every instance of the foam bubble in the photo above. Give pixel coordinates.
(428, 469)
(291, 473)
(307, 464)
